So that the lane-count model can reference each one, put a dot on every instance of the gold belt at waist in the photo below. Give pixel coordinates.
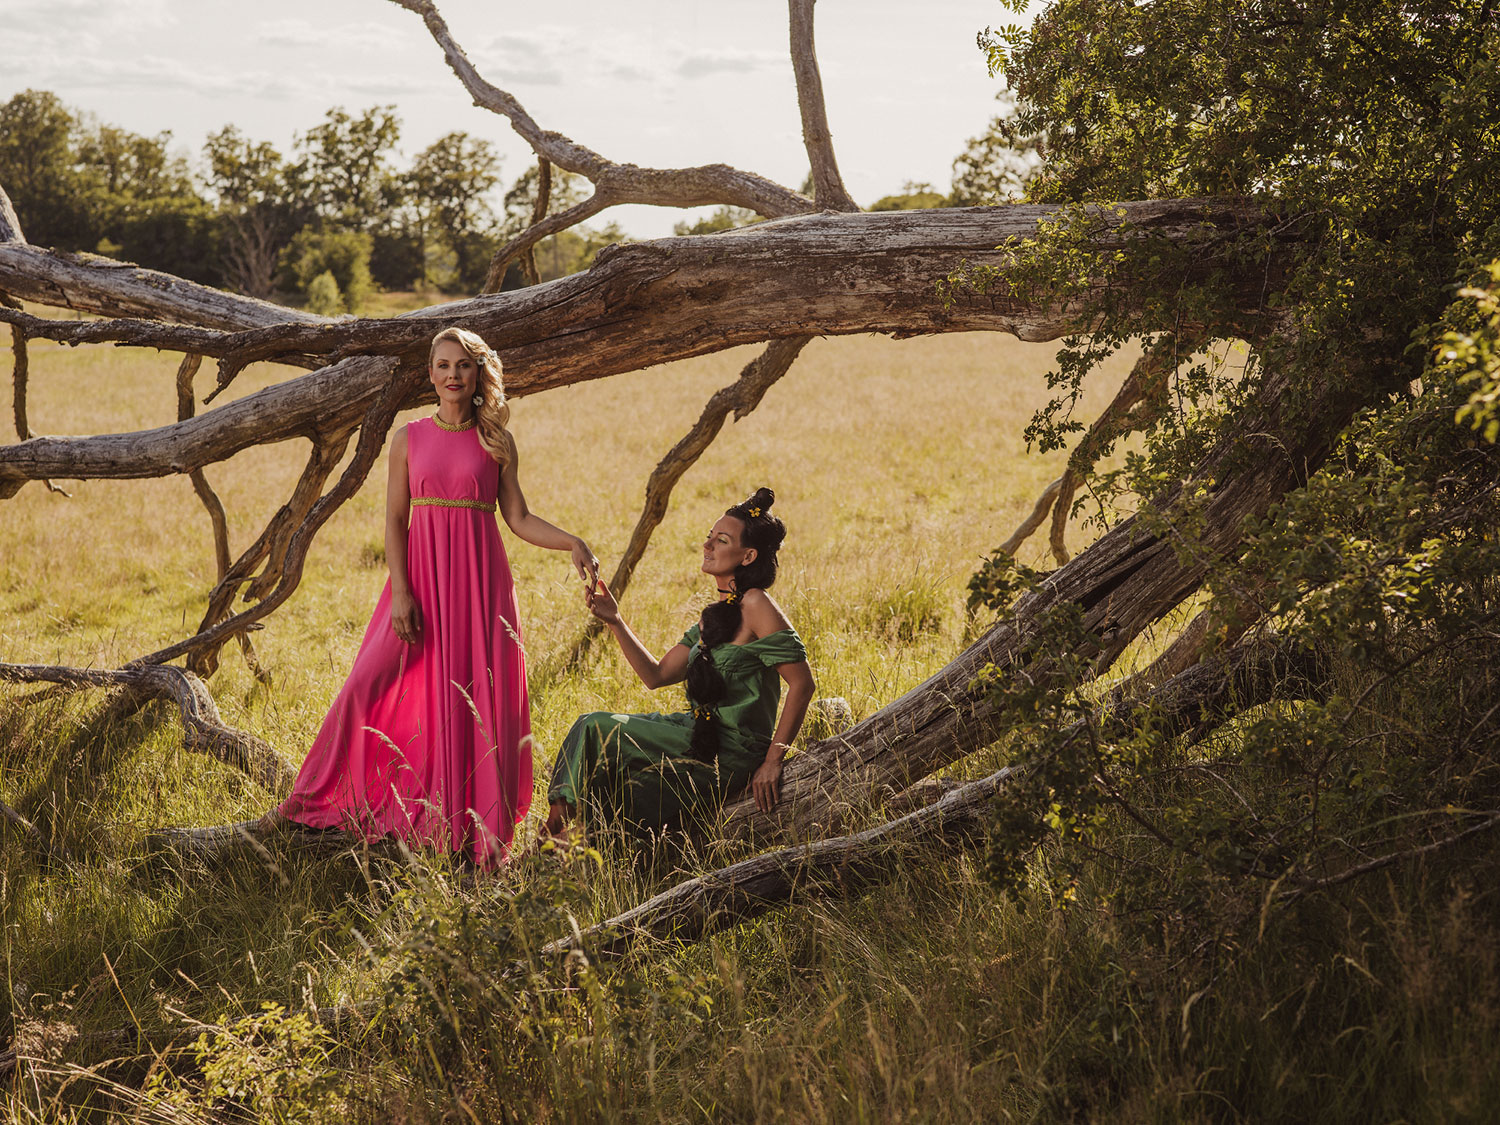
(444, 502)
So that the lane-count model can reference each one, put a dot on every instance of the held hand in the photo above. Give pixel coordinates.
(766, 784)
(585, 562)
(602, 603)
(406, 617)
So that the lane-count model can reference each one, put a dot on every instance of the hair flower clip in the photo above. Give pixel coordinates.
(755, 513)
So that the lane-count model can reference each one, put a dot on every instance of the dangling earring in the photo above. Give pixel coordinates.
(478, 400)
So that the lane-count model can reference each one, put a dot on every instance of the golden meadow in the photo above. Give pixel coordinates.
(897, 464)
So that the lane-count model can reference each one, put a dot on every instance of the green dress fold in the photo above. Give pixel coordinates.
(637, 770)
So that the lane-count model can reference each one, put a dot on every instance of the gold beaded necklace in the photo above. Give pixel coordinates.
(458, 429)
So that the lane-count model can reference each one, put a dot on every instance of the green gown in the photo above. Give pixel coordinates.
(637, 769)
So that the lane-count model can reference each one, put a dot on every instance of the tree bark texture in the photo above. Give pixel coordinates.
(828, 185)
(639, 305)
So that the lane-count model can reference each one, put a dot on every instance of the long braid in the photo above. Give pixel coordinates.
(722, 619)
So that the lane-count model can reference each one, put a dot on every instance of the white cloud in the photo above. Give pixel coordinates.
(91, 18)
(535, 57)
(722, 60)
(350, 36)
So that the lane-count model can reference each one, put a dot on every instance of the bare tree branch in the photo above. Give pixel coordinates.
(1146, 383)
(539, 207)
(86, 283)
(613, 183)
(742, 396)
(1035, 520)
(828, 185)
(10, 225)
(20, 369)
(203, 730)
(271, 544)
(839, 867)
(1311, 885)
(215, 507)
(825, 274)
(524, 244)
(205, 662)
(372, 435)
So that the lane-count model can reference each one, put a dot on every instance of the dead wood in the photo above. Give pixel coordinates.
(203, 729)
(839, 867)
(1035, 520)
(828, 185)
(1144, 388)
(639, 305)
(538, 213)
(205, 661)
(10, 225)
(622, 183)
(372, 435)
(842, 866)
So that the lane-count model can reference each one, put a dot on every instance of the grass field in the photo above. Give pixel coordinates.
(1165, 992)
(896, 465)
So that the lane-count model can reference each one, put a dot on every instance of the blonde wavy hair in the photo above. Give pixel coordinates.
(494, 413)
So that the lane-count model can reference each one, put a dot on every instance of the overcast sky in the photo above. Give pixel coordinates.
(653, 82)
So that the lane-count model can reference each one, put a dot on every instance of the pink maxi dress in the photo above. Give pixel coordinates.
(431, 742)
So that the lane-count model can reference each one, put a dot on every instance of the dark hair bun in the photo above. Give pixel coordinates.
(763, 498)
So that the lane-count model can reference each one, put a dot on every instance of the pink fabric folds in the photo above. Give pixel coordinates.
(432, 741)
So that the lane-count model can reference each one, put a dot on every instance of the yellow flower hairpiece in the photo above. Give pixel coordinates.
(755, 513)
(703, 713)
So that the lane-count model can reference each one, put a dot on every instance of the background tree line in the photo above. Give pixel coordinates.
(339, 216)
(325, 224)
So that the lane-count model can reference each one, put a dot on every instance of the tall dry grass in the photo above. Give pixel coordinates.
(897, 464)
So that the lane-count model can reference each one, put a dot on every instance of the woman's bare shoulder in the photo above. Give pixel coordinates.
(762, 613)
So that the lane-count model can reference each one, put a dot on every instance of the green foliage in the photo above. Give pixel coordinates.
(81, 185)
(344, 256)
(1469, 354)
(450, 182)
(346, 166)
(323, 296)
(912, 196)
(1367, 131)
(725, 218)
(274, 1066)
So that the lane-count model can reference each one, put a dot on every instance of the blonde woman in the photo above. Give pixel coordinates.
(430, 737)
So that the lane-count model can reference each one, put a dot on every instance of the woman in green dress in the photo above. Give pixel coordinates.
(654, 772)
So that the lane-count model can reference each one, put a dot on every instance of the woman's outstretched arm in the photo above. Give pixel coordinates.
(537, 531)
(654, 673)
(406, 615)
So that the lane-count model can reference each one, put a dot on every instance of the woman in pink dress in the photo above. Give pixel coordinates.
(430, 737)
